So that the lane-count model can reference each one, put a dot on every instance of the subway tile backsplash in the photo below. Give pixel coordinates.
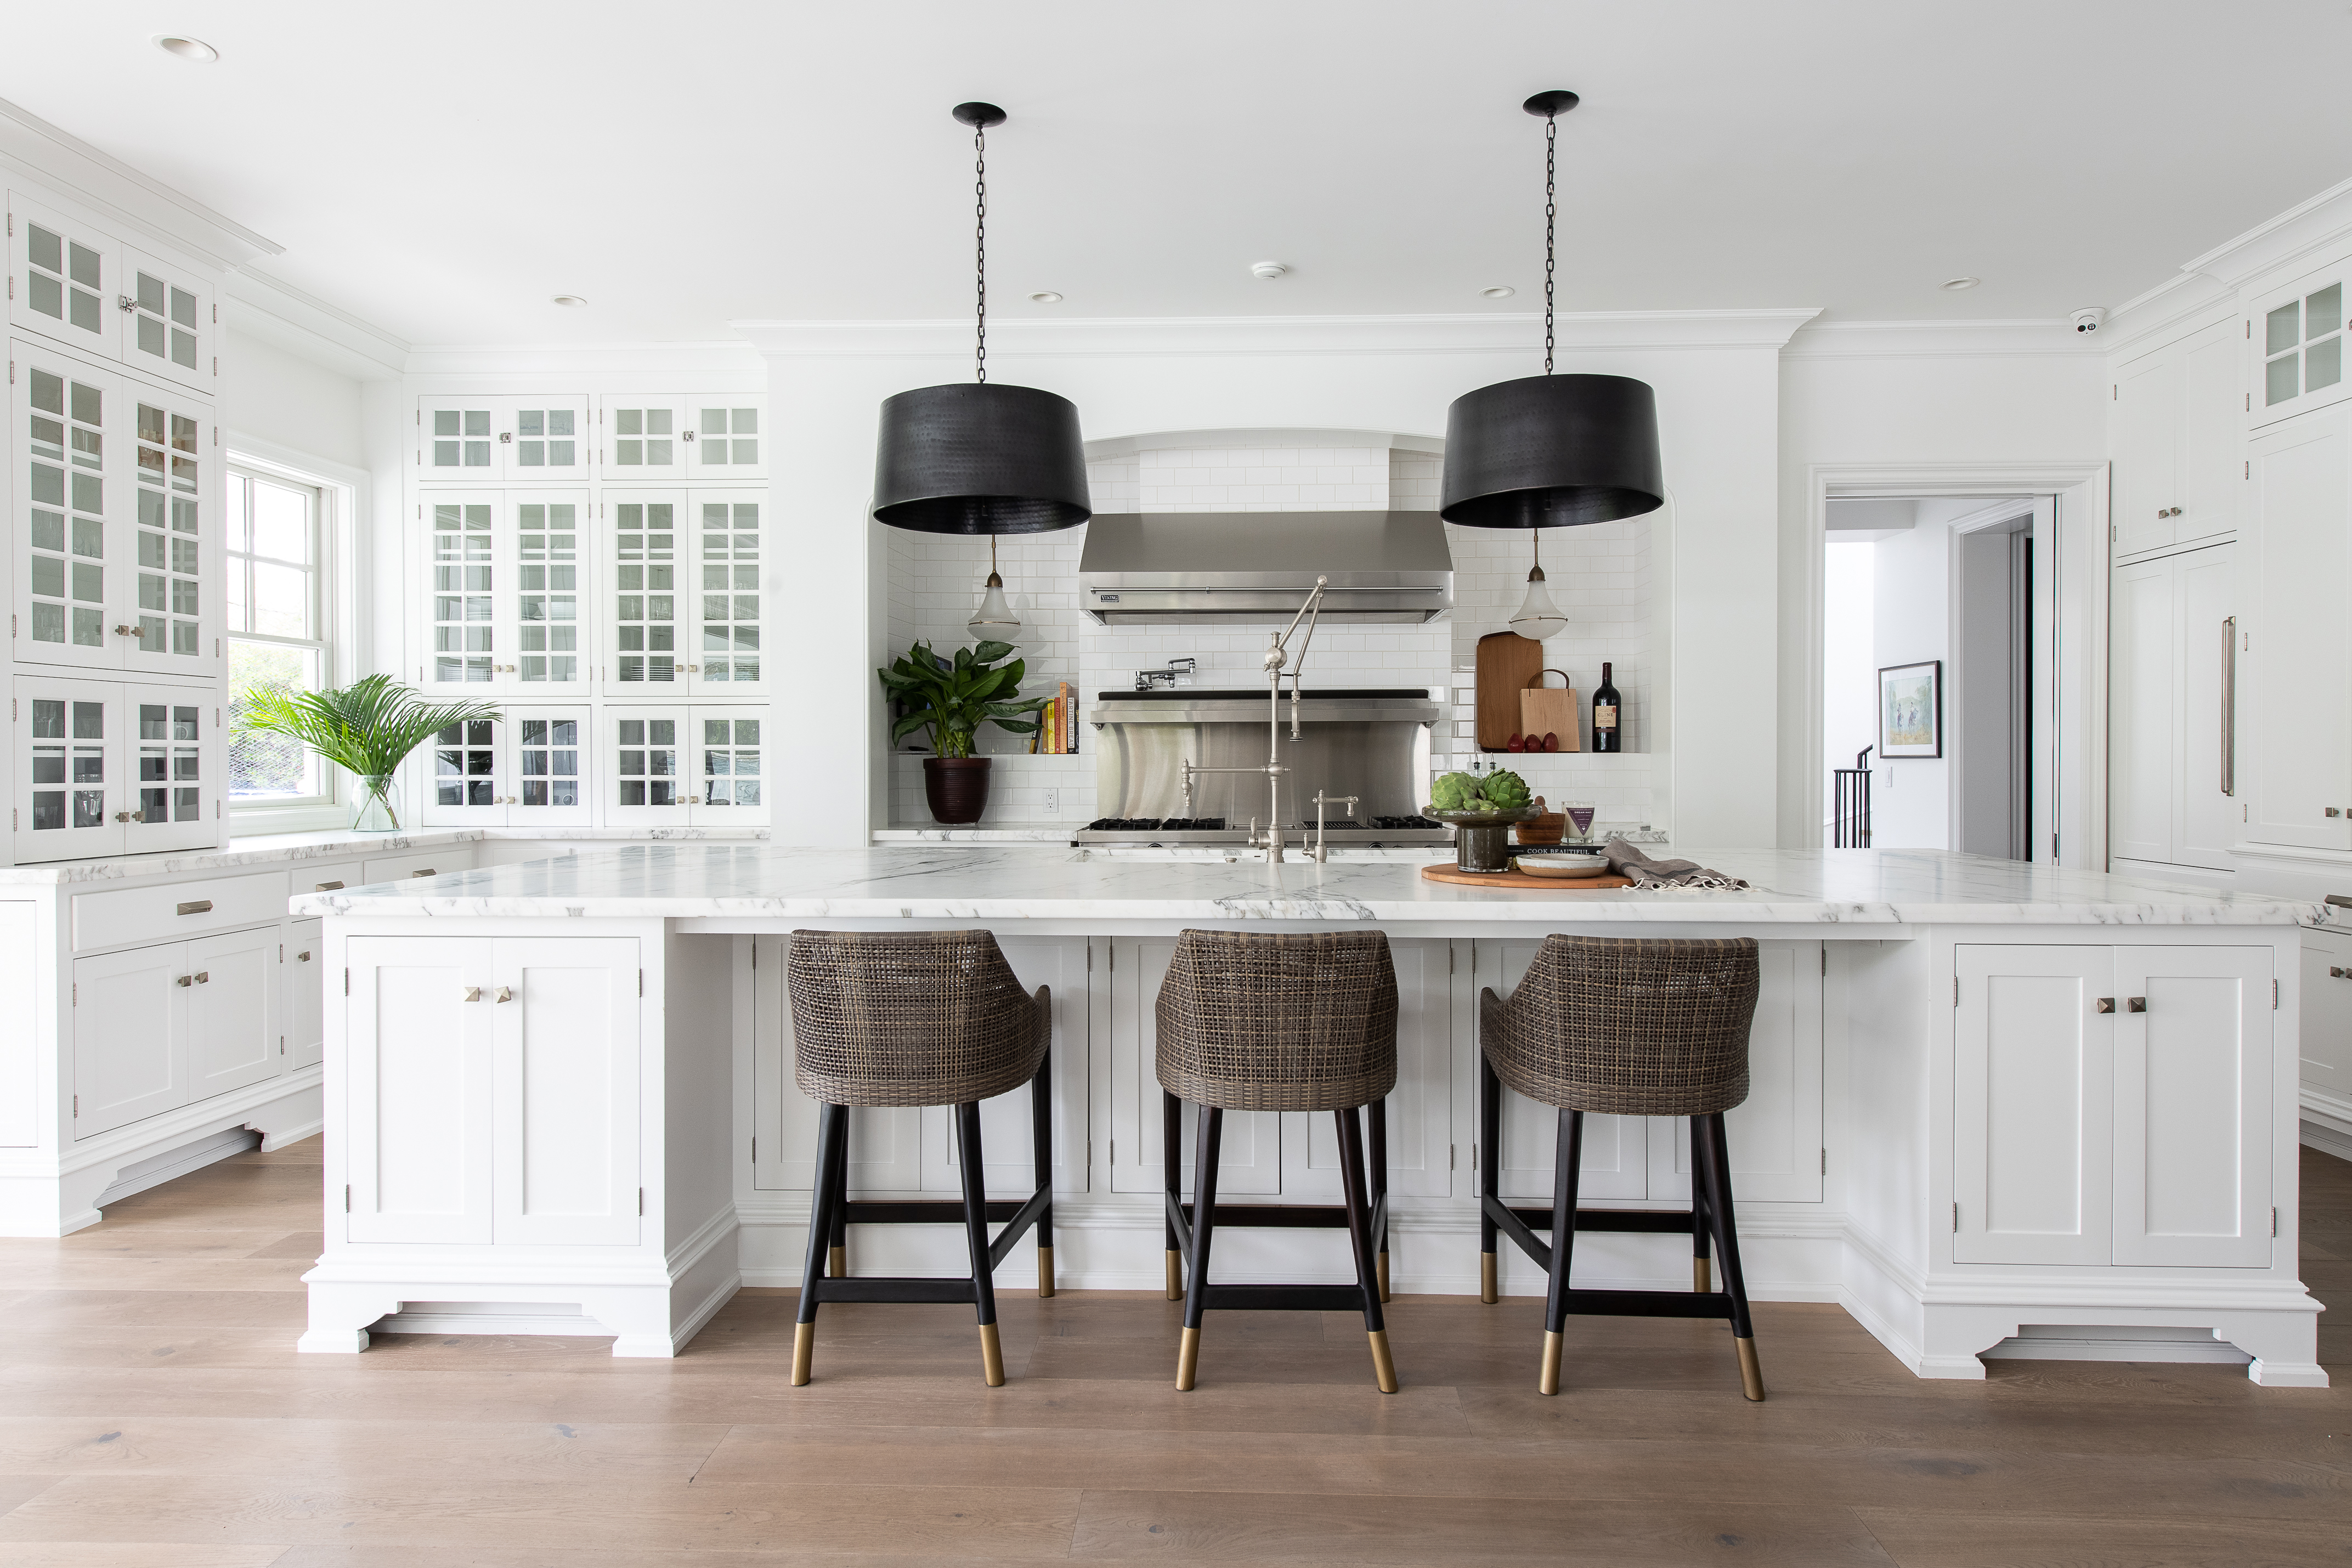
(1601, 576)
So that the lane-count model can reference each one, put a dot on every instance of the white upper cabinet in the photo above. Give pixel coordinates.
(502, 440)
(505, 574)
(679, 766)
(658, 438)
(176, 534)
(2176, 423)
(2172, 721)
(2296, 666)
(63, 278)
(110, 769)
(2297, 336)
(167, 322)
(529, 770)
(684, 607)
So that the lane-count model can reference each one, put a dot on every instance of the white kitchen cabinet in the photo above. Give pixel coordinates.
(2295, 670)
(64, 277)
(160, 1027)
(529, 440)
(1421, 1107)
(167, 315)
(495, 1091)
(886, 1141)
(506, 575)
(2171, 775)
(2325, 1040)
(676, 766)
(2295, 348)
(1249, 1161)
(688, 581)
(235, 1003)
(530, 769)
(304, 1007)
(2176, 418)
(658, 437)
(1009, 1165)
(177, 627)
(1616, 1151)
(2111, 1105)
(106, 769)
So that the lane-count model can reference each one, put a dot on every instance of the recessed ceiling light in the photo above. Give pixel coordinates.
(1500, 291)
(194, 49)
(1954, 285)
(572, 300)
(1045, 297)
(1267, 269)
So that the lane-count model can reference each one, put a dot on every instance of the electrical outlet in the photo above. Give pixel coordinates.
(1053, 802)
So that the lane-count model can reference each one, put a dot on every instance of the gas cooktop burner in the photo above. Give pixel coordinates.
(1391, 824)
(1157, 825)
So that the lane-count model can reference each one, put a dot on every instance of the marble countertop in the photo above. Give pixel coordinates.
(1061, 834)
(287, 849)
(1807, 887)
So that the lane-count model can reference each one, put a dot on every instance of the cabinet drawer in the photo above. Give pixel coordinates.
(400, 868)
(326, 876)
(177, 909)
(2326, 1042)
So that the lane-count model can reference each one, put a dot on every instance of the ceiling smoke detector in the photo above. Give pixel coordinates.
(1500, 291)
(1954, 285)
(194, 49)
(1269, 270)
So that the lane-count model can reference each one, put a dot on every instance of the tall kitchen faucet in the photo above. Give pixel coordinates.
(1276, 658)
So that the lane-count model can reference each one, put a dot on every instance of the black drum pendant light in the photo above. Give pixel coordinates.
(1549, 452)
(978, 456)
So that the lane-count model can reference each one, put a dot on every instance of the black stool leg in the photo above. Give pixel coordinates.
(975, 1227)
(836, 1260)
(1041, 1129)
(1700, 1221)
(1567, 1165)
(1359, 1232)
(832, 1129)
(1172, 1147)
(1726, 1247)
(1490, 1165)
(1204, 1224)
(1377, 1114)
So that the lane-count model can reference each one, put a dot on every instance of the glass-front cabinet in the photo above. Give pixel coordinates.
(527, 769)
(672, 767)
(663, 438)
(107, 769)
(683, 609)
(504, 600)
(63, 278)
(167, 322)
(2299, 338)
(502, 440)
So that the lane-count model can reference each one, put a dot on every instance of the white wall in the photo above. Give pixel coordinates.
(290, 401)
(1849, 659)
(1911, 596)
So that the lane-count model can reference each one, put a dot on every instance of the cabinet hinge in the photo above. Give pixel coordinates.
(755, 1148)
(641, 982)
(641, 1203)
(347, 1198)
(281, 1045)
(216, 315)
(1826, 1162)
(2274, 1222)
(2249, 403)
(1955, 1219)
(1449, 1156)
(77, 993)
(1956, 990)
(347, 982)
(77, 1107)
(2274, 996)
(1111, 959)
(1825, 958)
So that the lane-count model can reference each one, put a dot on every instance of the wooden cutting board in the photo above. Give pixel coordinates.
(1521, 880)
(1507, 663)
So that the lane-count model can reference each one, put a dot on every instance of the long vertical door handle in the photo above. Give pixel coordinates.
(2230, 704)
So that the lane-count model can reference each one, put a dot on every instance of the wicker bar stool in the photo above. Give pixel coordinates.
(933, 1017)
(1626, 1028)
(1260, 1022)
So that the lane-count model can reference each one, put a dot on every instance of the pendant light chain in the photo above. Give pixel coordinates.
(1551, 209)
(979, 244)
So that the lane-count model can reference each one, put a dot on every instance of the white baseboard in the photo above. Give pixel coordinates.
(157, 1169)
(2038, 1341)
(2327, 1139)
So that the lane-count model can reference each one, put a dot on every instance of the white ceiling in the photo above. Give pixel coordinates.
(441, 169)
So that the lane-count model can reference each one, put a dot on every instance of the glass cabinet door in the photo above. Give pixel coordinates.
(550, 652)
(464, 784)
(2300, 338)
(175, 513)
(648, 759)
(550, 767)
(726, 441)
(646, 558)
(727, 659)
(68, 785)
(461, 548)
(466, 440)
(545, 439)
(643, 440)
(728, 774)
(63, 278)
(169, 756)
(167, 322)
(69, 439)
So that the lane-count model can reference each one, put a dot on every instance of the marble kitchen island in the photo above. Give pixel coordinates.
(1996, 1107)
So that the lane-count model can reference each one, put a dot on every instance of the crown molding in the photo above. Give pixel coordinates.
(2184, 303)
(1516, 333)
(2297, 234)
(122, 194)
(308, 328)
(656, 367)
(1937, 340)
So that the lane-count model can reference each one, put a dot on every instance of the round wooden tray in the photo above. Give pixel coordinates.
(1521, 880)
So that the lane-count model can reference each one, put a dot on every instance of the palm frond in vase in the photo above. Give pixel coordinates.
(367, 728)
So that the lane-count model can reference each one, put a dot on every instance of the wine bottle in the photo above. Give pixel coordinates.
(1606, 734)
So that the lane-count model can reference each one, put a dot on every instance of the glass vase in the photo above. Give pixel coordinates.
(376, 804)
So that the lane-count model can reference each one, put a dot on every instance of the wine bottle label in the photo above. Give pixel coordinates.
(1604, 715)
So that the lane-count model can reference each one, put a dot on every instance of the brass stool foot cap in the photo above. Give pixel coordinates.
(1549, 1382)
(836, 1263)
(1045, 1270)
(1702, 1276)
(1486, 1279)
(992, 1356)
(1175, 1275)
(1752, 1375)
(1383, 1265)
(1188, 1358)
(804, 1351)
(1384, 1364)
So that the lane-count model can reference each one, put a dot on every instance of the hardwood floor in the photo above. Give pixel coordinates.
(152, 1412)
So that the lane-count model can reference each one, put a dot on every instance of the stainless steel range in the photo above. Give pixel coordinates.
(1372, 745)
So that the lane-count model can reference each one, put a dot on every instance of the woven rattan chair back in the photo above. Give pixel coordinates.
(927, 1017)
(1251, 1021)
(1628, 1027)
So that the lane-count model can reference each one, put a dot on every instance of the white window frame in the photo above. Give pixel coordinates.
(342, 493)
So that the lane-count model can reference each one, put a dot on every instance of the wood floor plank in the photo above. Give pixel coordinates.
(2100, 1536)
(223, 1444)
(442, 1514)
(15, 1488)
(197, 1309)
(123, 1554)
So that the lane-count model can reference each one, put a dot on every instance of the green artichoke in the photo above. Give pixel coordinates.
(1508, 791)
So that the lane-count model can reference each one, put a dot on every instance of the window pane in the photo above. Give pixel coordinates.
(281, 522)
(282, 600)
(263, 767)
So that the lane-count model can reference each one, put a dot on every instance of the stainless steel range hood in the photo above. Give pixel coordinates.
(1385, 568)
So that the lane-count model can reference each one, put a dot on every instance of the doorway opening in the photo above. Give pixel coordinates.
(1937, 696)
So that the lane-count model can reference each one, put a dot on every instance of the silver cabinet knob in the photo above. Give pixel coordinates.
(2335, 971)
(503, 994)
(184, 981)
(2135, 1004)
(2106, 1004)
(473, 993)
(203, 976)
(2333, 812)
(301, 957)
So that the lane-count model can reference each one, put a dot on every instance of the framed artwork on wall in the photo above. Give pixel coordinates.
(1911, 709)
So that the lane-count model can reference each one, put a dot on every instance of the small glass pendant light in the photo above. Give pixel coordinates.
(1539, 618)
(994, 621)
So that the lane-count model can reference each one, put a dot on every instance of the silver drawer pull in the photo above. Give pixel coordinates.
(426, 871)
(2106, 1004)
(473, 993)
(301, 957)
(198, 906)
(2135, 1004)
(327, 887)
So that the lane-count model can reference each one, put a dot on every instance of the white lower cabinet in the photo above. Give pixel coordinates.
(2325, 1043)
(494, 1090)
(1775, 1135)
(2111, 1105)
(161, 1027)
(305, 1029)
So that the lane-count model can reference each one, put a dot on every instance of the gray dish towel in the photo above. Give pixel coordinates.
(1647, 873)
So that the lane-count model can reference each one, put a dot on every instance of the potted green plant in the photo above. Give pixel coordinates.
(950, 699)
(367, 728)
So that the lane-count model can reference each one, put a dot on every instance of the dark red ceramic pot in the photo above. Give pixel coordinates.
(956, 788)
